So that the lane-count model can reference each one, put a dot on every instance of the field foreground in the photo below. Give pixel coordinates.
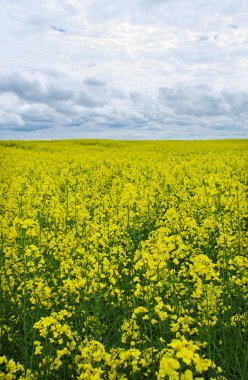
(123, 260)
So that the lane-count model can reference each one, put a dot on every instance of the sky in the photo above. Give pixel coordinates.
(133, 69)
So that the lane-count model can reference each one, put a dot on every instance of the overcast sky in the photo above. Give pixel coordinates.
(131, 69)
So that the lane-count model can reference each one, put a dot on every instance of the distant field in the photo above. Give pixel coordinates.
(123, 260)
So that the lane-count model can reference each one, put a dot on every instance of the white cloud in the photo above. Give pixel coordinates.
(133, 69)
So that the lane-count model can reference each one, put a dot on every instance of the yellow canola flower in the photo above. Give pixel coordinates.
(11, 370)
(168, 367)
(187, 375)
(186, 354)
(140, 310)
(120, 257)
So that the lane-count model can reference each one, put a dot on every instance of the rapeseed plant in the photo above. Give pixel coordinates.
(123, 260)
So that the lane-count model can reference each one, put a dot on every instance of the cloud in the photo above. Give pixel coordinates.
(94, 107)
(34, 90)
(199, 101)
(21, 86)
(133, 69)
(94, 82)
(8, 121)
(57, 29)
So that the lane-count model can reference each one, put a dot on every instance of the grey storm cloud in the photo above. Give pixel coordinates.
(197, 101)
(34, 90)
(95, 105)
(94, 82)
(133, 69)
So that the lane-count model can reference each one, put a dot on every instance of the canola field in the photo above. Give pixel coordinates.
(123, 260)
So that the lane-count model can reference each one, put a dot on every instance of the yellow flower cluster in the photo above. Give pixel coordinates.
(58, 340)
(183, 354)
(10, 370)
(123, 260)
